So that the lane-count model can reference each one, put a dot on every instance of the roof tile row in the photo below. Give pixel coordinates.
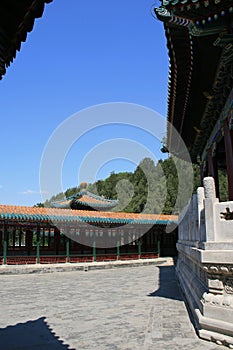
(11, 212)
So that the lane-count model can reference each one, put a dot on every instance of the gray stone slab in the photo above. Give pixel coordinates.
(68, 267)
(119, 309)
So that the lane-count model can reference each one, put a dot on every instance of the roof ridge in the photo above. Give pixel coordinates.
(93, 195)
(13, 212)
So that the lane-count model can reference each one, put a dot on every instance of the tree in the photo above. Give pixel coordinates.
(39, 205)
(151, 188)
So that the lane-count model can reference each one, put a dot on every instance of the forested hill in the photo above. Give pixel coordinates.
(151, 188)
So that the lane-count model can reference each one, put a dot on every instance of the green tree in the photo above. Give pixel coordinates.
(150, 189)
(39, 205)
(223, 185)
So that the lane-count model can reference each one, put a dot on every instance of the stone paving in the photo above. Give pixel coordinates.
(111, 309)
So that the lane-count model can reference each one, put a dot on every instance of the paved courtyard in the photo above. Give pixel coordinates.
(120, 308)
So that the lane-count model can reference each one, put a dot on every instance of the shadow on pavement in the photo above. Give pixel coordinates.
(168, 284)
(29, 336)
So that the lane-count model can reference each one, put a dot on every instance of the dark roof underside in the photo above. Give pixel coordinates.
(16, 20)
(187, 105)
(201, 77)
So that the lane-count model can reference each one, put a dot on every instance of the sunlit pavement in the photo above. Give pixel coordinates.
(120, 308)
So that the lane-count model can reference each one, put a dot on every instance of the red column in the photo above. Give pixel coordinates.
(213, 170)
(228, 139)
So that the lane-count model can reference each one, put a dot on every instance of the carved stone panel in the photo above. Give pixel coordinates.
(228, 285)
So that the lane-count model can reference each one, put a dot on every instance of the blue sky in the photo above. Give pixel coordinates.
(79, 54)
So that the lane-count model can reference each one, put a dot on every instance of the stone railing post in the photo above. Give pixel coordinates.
(201, 214)
(209, 204)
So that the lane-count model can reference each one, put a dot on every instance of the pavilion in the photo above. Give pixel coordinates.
(85, 200)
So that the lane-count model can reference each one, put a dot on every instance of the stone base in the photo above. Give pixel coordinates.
(214, 330)
(205, 263)
(208, 295)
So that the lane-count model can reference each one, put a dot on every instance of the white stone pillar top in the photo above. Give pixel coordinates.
(209, 187)
(200, 195)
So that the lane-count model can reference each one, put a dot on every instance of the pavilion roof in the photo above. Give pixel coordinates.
(17, 19)
(35, 214)
(200, 79)
(85, 199)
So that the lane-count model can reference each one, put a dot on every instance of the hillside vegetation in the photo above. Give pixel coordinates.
(150, 188)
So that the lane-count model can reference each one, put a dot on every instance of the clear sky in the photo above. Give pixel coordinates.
(79, 54)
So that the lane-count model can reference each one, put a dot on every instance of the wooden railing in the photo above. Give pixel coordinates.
(20, 260)
(77, 258)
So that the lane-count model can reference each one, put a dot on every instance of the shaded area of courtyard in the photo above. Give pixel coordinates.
(30, 335)
(127, 308)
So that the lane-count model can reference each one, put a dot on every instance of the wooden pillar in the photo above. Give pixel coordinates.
(160, 245)
(67, 249)
(56, 240)
(228, 140)
(13, 238)
(43, 237)
(5, 234)
(49, 239)
(118, 251)
(94, 251)
(139, 249)
(1, 240)
(38, 244)
(28, 240)
(213, 170)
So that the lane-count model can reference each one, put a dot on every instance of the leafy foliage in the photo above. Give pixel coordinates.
(150, 189)
(223, 185)
(39, 205)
